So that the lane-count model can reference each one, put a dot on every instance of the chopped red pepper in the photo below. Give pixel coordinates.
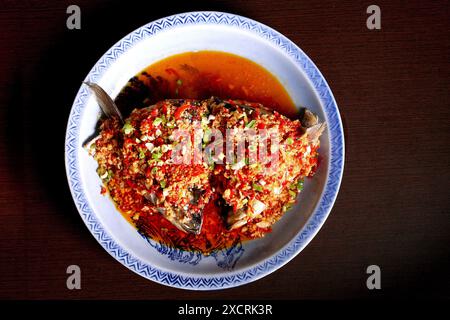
(159, 141)
(180, 111)
(131, 184)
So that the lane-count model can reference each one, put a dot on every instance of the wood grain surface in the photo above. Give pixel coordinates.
(392, 88)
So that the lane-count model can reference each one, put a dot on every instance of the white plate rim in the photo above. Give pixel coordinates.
(314, 223)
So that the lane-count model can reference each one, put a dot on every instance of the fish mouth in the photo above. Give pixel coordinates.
(184, 220)
(189, 222)
(194, 224)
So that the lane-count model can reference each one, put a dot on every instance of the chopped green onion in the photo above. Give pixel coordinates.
(300, 185)
(105, 174)
(101, 171)
(157, 121)
(292, 193)
(256, 166)
(179, 82)
(141, 154)
(206, 135)
(251, 124)
(154, 170)
(289, 140)
(209, 158)
(128, 128)
(163, 184)
(156, 155)
(257, 187)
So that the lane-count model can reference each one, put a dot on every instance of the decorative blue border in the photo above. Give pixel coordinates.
(313, 224)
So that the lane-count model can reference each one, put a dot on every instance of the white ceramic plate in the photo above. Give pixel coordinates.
(242, 263)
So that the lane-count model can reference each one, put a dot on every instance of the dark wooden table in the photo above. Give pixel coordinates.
(392, 88)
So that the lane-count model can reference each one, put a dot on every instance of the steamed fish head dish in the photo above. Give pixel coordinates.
(204, 173)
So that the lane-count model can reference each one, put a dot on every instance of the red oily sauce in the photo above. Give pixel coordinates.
(200, 75)
(213, 236)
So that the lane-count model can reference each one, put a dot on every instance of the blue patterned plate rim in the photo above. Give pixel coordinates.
(313, 224)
